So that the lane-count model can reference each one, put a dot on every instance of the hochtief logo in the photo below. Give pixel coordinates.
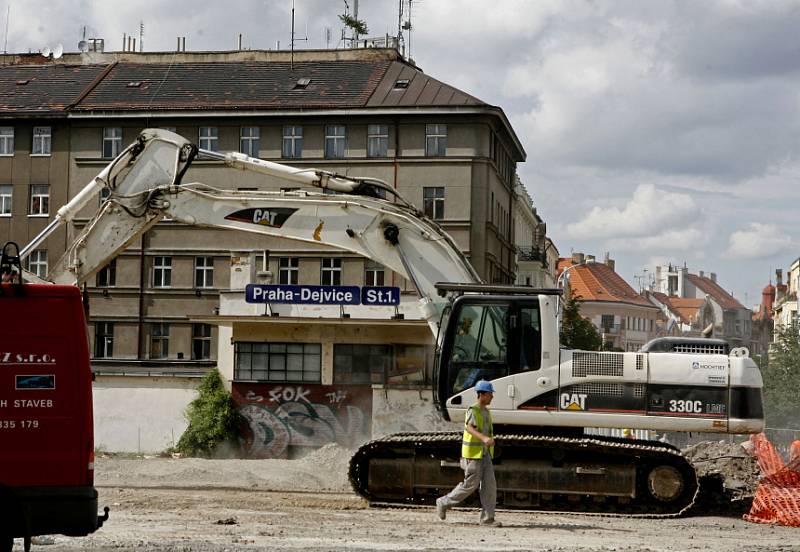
(267, 216)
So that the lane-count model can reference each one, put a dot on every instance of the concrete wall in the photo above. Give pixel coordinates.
(140, 414)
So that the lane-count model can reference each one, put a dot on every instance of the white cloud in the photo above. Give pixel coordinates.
(681, 239)
(649, 211)
(758, 241)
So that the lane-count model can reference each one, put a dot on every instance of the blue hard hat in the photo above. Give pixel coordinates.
(484, 386)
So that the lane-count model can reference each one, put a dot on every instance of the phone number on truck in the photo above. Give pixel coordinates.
(22, 424)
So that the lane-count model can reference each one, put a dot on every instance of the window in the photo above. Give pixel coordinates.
(112, 142)
(607, 322)
(6, 140)
(107, 277)
(433, 202)
(292, 142)
(203, 272)
(103, 339)
(435, 140)
(37, 262)
(377, 140)
(159, 340)
(162, 271)
(331, 272)
(373, 274)
(480, 345)
(40, 199)
(285, 362)
(209, 138)
(335, 141)
(6, 196)
(288, 270)
(201, 341)
(41, 141)
(361, 364)
(250, 141)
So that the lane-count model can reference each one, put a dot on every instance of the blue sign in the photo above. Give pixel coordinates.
(322, 295)
(303, 295)
(380, 295)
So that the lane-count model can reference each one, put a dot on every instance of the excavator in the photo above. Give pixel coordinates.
(546, 395)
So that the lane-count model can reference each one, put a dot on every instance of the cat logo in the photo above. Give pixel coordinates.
(267, 216)
(573, 401)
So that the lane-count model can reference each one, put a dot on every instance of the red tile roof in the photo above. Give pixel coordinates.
(598, 282)
(710, 287)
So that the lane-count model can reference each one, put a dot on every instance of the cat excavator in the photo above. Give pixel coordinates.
(546, 395)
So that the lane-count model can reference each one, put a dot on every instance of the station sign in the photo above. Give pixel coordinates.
(322, 295)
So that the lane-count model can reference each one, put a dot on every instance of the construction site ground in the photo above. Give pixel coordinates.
(166, 504)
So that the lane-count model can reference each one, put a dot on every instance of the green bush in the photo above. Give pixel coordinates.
(213, 419)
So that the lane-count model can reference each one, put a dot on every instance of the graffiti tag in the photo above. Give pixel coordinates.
(336, 397)
(285, 394)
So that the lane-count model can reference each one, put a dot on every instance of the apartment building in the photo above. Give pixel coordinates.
(625, 319)
(714, 311)
(367, 112)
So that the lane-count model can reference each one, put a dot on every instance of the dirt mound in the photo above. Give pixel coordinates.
(728, 476)
(325, 469)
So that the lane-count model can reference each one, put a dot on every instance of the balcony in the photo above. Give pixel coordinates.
(531, 253)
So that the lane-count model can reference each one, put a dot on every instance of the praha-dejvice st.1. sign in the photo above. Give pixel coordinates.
(322, 295)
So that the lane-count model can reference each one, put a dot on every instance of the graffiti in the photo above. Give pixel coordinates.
(279, 394)
(282, 419)
(336, 397)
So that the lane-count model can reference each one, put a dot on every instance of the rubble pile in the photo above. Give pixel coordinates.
(728, 477)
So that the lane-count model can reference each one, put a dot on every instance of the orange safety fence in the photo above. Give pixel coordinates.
(777, 499)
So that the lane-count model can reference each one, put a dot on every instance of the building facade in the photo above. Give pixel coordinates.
(726, 318)
(535, 251)
(624, 318)
(155, 308)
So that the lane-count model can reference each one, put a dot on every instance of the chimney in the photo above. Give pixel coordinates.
(577, 258)
(590, 258)
(713, 276)
(702, 274)
(779, 277)
(609, 262)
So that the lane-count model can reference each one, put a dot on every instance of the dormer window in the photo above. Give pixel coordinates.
(302, 84)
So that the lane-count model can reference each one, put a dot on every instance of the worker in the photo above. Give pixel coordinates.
(477, 451)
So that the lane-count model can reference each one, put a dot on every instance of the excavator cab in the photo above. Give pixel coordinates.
(488, 337)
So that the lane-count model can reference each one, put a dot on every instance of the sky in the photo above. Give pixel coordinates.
(659, 131)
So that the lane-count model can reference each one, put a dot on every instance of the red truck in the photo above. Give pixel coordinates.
(46, 428)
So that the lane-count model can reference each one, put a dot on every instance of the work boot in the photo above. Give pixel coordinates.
(441, 511)
(491, 522)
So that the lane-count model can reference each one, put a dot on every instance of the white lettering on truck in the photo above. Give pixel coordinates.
(7, 357)
(33, 403)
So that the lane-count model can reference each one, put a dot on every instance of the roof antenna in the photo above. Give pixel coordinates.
(293, 40)
(8, 17)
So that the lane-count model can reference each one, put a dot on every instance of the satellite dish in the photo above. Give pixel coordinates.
(46, 51)
(58, 51)
(83, 46)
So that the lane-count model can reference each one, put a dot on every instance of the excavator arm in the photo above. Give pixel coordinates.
(145, 186)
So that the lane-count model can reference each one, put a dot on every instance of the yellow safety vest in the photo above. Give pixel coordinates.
(471, 446)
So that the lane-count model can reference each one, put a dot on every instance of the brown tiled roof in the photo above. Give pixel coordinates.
(269, 85)
(710, 287)
(598, 282)
(236, 85)
(422, 90)
(43, 89)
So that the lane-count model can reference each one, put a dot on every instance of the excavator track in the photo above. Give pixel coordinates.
(597, 475)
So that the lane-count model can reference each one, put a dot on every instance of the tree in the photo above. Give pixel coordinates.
(212, 418)
(781, 373)
(358, 26)
(578, 332)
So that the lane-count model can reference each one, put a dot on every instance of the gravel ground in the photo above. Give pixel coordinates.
(190, 505)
